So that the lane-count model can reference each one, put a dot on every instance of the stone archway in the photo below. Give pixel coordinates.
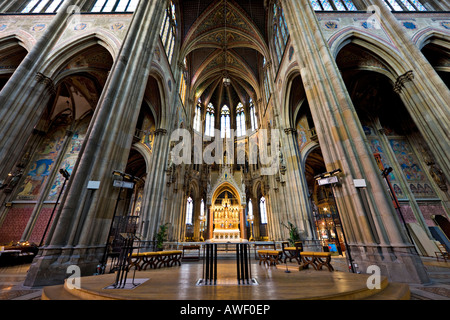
(226, 205)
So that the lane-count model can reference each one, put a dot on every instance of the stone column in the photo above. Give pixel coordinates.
(342, 140)
(26, 94)
(79, 235)
(196, 218)
(424, 93)
(155, 190)
(295, 176)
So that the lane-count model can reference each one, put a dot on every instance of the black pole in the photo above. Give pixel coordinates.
(385, 174)
(66, 176)
(104, 259)
(246, 263)
(207, 263)
(237, 264)
(215, 264)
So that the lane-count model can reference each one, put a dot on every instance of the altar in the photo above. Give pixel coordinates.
(226, 221)
(223, 235)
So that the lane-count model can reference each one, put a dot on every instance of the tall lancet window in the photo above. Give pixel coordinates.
(189, 211)
(225, 124)
(169, 30)
(241, 130)
(280, 30)
(263, 210)
(42, 6)
(254, 120)
(115, 6)
(198, 117)
(333, 5)
(210, 120)
(405, 5)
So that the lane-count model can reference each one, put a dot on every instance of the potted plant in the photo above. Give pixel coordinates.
(294, 234)
(161, 236)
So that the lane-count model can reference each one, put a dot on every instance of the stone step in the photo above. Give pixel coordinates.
(394, 291)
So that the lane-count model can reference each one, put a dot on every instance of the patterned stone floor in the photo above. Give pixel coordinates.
(12, 278)
(439, 288)
(11, 284)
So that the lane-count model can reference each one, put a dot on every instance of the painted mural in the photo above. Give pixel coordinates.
(303, 133)
(377, 148)
(70, 158)
(148, 137)
(417, 180)
(41, 165)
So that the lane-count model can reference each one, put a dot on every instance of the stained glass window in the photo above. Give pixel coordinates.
(408, 5)
(253, 119)
(405, 5)
(418, 5)
(169, 31)
(115, 6)
(326, 5)
(350, 5)
(189, 211)
(198, 117)
(40, 6)
(225, 126)
(183, 83)
(316, 5)
(240, 121)
(210, 119)
(333, 5)
(280, 30)
(263, 210)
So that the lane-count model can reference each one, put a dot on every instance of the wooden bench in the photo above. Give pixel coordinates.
(292, 252)
(442, 252)
(191, 248)
(317, 259)
(269, 257)
(155, 260)
(264, 246)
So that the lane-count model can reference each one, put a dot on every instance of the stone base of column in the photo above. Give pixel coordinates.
(51, 265)
(399, 263)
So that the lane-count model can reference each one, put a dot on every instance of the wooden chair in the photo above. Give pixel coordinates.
(442, 252)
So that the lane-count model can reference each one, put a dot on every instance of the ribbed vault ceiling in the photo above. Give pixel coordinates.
(224, 37)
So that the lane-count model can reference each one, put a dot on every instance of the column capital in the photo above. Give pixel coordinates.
(161, 132)
(401, 80)
(289, 131)
(47, 82)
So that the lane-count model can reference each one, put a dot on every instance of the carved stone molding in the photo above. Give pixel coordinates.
(289, 131)
(161, 132)
(400, 83)
(47, 82)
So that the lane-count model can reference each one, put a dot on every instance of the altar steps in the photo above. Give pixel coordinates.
(180, 283)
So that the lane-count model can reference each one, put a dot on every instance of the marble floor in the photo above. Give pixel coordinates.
(12, 278)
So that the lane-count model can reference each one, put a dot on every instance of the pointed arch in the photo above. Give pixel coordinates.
(374, 45)
(66, 51)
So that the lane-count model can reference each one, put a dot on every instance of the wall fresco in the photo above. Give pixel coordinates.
(417, 180)
(41, 165)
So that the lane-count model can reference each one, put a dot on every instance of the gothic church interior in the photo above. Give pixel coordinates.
(224, 115)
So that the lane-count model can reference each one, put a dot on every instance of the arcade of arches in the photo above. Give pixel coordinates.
(100, 92)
